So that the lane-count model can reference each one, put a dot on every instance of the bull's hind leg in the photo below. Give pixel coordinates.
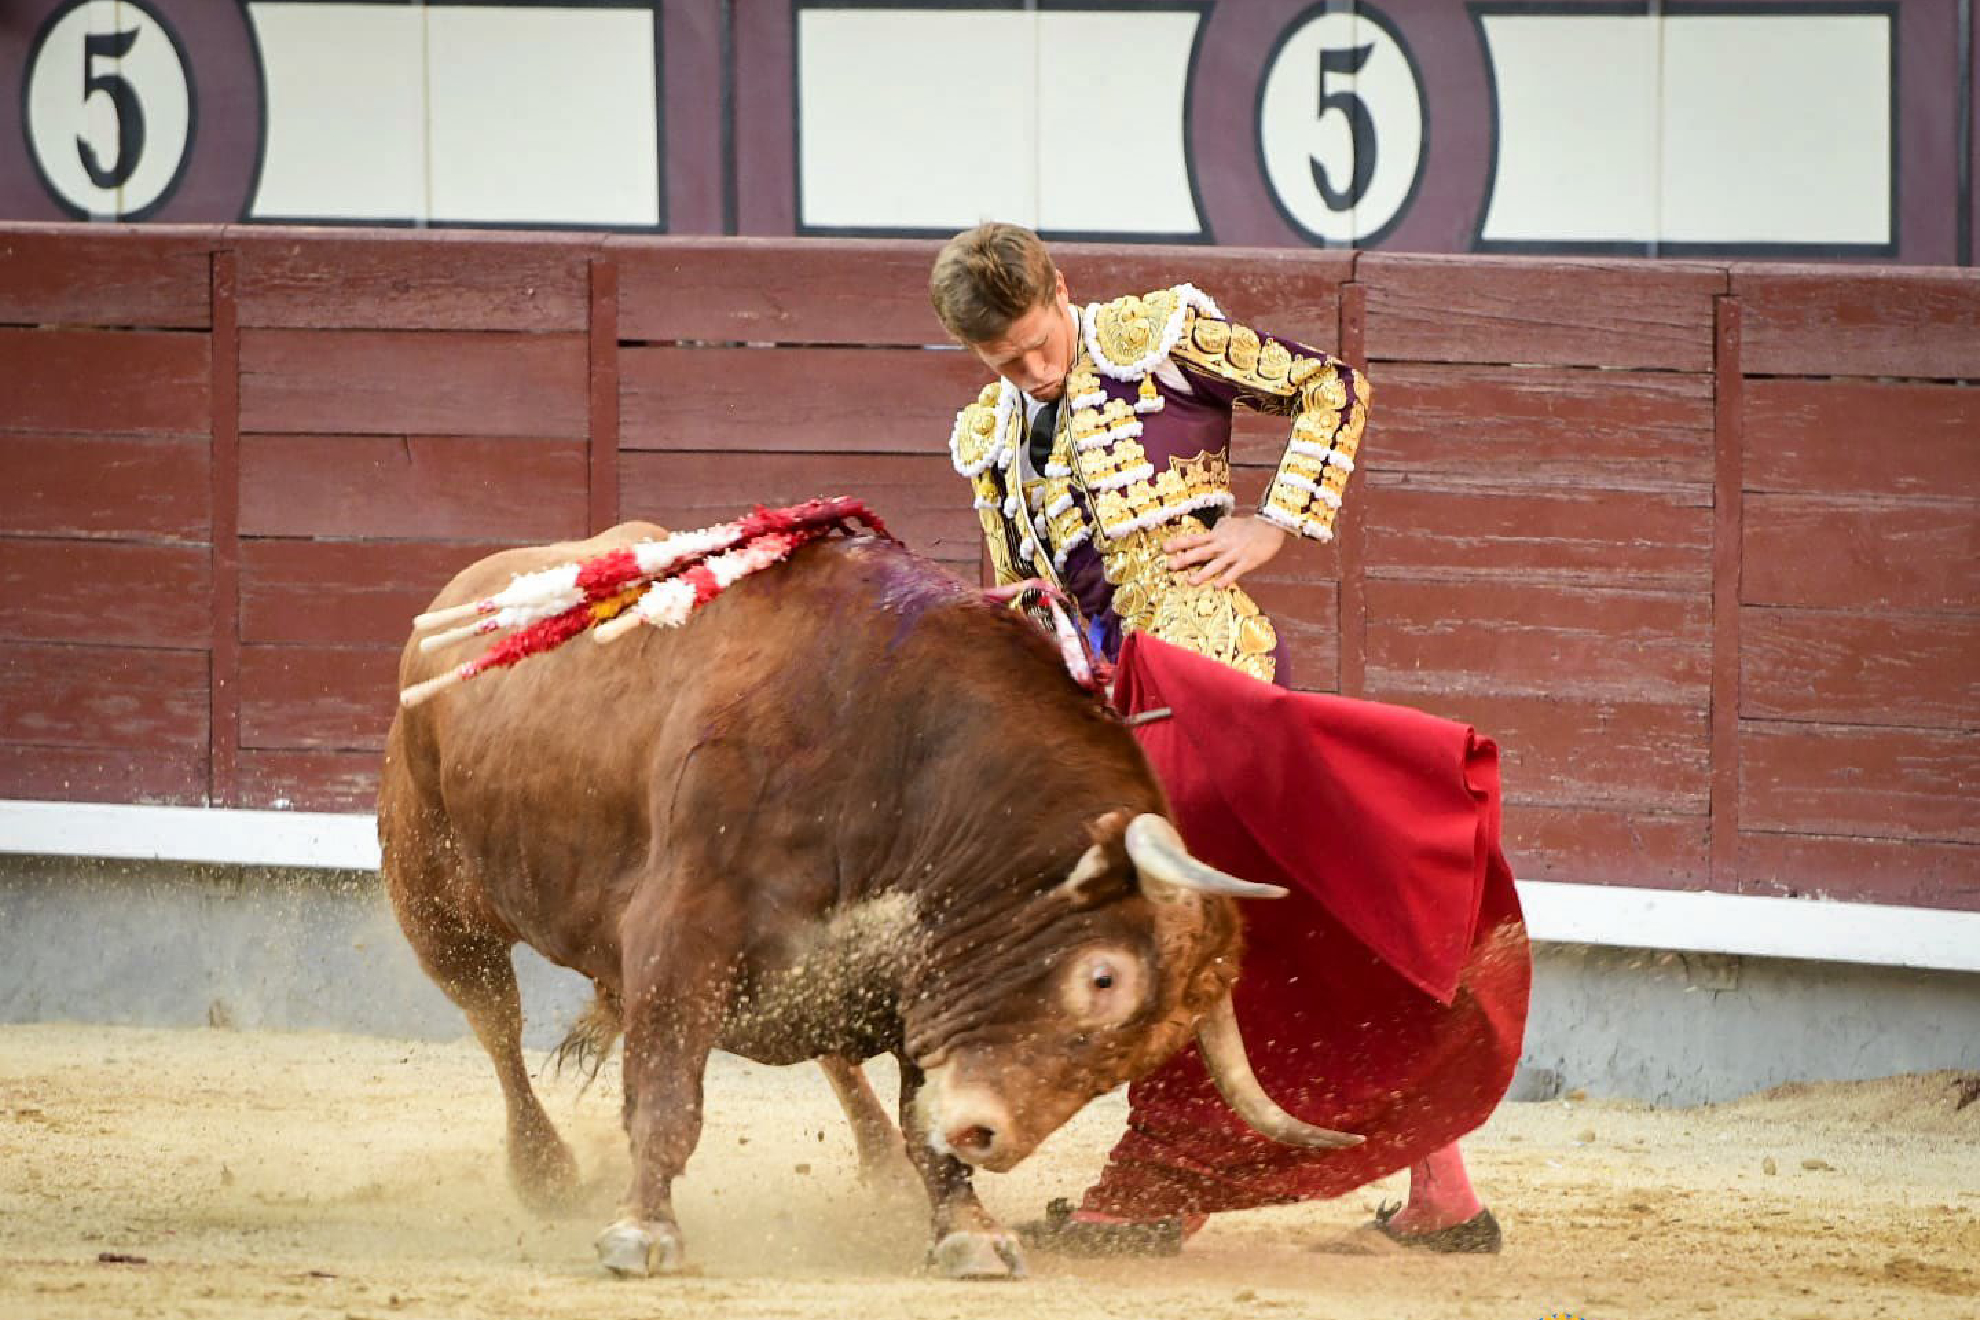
(474, 970)
(966, 1242)
(874, 1134)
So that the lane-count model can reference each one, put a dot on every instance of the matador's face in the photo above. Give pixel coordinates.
(1036, 351)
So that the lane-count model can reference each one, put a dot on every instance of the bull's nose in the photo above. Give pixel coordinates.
(974, 1142)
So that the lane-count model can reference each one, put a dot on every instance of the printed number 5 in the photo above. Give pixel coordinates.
(1361, 129)
(123, 98)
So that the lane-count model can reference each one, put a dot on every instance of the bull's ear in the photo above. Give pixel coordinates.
(1103, 869)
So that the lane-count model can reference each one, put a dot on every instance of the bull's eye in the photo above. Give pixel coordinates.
(1103, 988)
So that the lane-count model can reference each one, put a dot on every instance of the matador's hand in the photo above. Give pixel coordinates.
(1227, 552)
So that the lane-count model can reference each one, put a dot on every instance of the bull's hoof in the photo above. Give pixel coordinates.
(634, 1248)
(965, 1255)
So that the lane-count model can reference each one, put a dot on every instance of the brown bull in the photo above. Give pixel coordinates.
(849, 809)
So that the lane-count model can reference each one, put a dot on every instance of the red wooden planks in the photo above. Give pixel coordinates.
(1853, 437)
(921, 499)
(1306, 613)
(171, 774)
(1557, 535)
(411, 282)
(1569, 752)
(107, 593)
(224, 616)
(102, 696)
(1728, 520)
(318, 698)
(1580, 845)
(344, 592)
(394, 382)
(1933, 875)
(1619, 429)
(1888, 669)
(1555, 313)
(861, 291)
(154, 489)
(1490, 637)
(104, 382)
(1875, 783)
(1290, 292)
(602, 397)
(66, 275)
(804, 400)
(1838, 321)
(818, 291)
(429, 488)
(1861, 555)
(310, 781)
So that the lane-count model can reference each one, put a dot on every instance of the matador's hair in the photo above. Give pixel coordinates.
(987, 277)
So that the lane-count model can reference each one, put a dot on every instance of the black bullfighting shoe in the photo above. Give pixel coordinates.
(1479, 1234)
(1060, 1234)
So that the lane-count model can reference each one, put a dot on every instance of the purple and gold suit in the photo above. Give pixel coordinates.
(1141, 453)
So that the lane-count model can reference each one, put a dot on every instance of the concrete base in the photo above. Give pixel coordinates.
(157, 944)
(180, 944)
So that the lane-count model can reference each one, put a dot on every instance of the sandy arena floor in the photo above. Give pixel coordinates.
(266, 1174)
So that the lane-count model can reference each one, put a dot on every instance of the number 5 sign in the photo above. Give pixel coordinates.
(1340, 125)
(1343, 123)
(135, 109)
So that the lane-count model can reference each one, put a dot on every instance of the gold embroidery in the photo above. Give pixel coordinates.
(1128, 329)
(1243, 350)
(1205, 474)
(1211, 335)
(1223, 623)
(1274, 362)
(979, 429)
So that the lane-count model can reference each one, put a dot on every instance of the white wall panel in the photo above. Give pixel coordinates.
(543, 115)
(1577, 131)
(1111, 155)
(931, 119)
(346, 137)
(1692, 128)
(1777, 129)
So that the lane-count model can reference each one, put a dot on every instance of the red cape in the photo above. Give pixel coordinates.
(1387, 994)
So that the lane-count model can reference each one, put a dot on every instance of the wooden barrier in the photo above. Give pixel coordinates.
(1699, 544)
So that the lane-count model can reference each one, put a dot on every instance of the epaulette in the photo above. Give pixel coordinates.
(976, 442)
(1130, 337)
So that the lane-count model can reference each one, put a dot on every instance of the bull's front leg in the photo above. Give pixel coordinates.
(678, 975)
(965, 1242)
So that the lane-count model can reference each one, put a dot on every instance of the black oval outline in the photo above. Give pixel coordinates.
(55, 194)
(1388, 25)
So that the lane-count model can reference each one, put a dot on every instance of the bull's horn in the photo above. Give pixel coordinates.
(1159, 855)
(1223, 1054)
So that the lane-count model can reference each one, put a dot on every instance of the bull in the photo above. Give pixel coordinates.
(851, 809)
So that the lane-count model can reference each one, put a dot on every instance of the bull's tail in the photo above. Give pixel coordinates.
(590, 1040)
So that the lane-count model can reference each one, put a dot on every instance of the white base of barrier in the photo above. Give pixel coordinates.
(1677, 920)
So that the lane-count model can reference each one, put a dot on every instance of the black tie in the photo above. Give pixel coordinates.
(1042, 428)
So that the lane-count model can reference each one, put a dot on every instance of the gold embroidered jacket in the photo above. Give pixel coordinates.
(1142, 451)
